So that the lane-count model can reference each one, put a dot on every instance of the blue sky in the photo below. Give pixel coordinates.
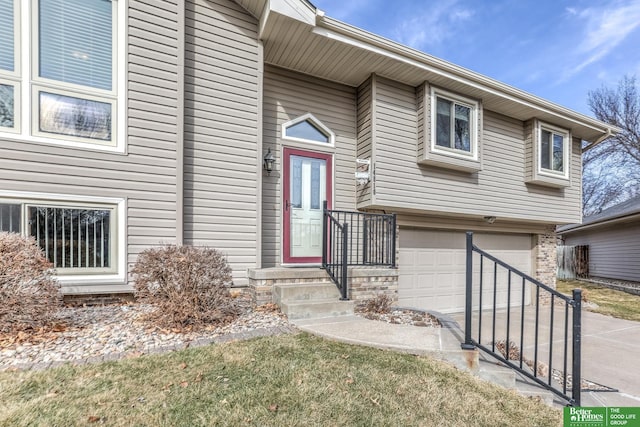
(556, 49)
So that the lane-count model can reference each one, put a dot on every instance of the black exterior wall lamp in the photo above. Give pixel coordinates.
(268, 162)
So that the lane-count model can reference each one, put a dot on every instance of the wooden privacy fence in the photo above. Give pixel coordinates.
(573, 262)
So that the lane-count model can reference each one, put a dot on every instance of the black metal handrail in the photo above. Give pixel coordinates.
(513, 348)
(335, 242)
(356, 239)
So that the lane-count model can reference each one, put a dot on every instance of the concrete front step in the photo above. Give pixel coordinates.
(503, 377)
(486, 368)
(305, 292)
(509, 378)
(470, 360)
(311, 300)
(534, 391)
(331, 307)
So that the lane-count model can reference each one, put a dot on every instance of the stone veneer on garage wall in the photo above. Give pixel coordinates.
(545, 252)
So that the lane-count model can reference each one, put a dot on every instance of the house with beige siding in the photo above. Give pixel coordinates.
(613, 240)
(127, 124)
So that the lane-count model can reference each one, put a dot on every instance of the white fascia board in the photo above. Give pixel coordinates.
(339, 31)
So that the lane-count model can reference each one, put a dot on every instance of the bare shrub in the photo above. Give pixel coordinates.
(186, 284)
(380, 304)
(29, 293)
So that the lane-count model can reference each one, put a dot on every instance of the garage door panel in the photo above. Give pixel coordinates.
(425, 259)
(433, 277)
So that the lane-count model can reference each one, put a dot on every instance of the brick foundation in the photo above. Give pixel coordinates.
(368, 283)
(364, 283)
(98, 299)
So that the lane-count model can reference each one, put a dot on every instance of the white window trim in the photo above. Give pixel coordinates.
(26, 70)
(13, 77)
(566, 148)
(17, 103)
(117, 274)
(36, 89)
(317, 123)
(17, 54)
(473, 105)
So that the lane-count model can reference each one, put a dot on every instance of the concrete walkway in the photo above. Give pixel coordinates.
(372, 333)
(610, 348)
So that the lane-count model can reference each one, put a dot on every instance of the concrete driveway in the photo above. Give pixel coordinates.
(610, 347)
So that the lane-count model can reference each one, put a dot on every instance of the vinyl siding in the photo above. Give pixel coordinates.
(529, 139)
(221, 131)
(614, 252)
(288, 95)
(146, 175)
(423, 121)
(365, 135)
(498, 189)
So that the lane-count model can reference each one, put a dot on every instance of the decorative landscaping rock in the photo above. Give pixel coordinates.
(402, 316)
(94, 334)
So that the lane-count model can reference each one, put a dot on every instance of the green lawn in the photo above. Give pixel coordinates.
(290, 380)
(609, 301)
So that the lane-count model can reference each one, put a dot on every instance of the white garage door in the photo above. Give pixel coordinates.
(432, 267)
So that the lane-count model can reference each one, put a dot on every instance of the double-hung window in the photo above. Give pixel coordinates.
(454, 124)
(548, 154)
(449, 129)
(59, 70)
(552, 150)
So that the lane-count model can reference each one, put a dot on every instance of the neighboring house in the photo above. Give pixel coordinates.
(613, 237)
(127, 124)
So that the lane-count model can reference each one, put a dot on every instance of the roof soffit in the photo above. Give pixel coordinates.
(299, 37)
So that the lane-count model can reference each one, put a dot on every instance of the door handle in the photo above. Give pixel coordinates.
(286, 205)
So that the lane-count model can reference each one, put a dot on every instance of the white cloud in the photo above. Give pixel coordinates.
(606, 27)
(432, 25)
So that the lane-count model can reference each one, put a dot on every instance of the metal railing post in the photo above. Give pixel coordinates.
(345, 260)
(468, 344)
(365, 241)
(324, 234)
(393, 241)
(576, 351)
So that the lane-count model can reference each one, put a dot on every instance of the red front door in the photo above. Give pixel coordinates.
(307, 183)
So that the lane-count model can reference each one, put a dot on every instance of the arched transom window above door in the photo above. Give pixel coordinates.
(307, 128)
